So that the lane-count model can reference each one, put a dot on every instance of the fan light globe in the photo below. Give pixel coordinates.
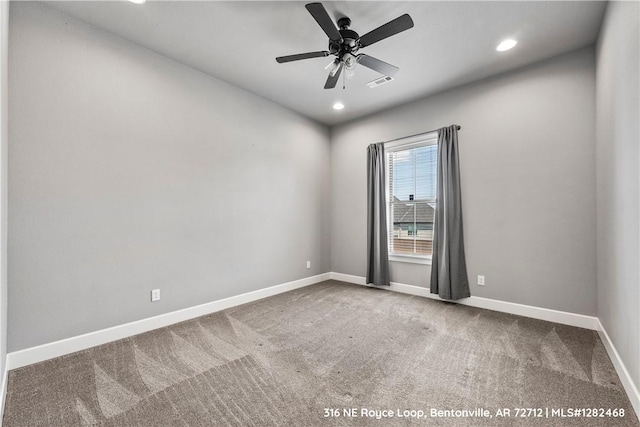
(350, 61)
(338, 106)
(506, 45)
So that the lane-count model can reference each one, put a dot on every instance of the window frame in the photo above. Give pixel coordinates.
(403, 144)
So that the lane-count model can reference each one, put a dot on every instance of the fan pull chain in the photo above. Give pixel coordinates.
(344, 78)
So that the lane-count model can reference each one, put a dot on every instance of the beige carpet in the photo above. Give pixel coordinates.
(284, 359)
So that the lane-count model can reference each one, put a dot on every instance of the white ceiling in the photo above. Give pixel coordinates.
(452, 43)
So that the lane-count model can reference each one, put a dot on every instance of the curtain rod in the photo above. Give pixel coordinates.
(417, 134)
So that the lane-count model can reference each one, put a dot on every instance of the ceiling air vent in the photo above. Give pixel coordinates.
(380, 81)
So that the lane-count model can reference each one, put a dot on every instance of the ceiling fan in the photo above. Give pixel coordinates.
(344, 44)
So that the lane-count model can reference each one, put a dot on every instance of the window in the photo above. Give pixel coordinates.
(411, 197)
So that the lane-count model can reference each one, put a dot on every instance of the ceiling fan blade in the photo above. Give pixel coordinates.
(331, 81)
(323, 19)
(389, 29)
(377, 65)
(300, 56)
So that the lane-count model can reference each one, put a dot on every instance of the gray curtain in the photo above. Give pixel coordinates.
(448, 266)
(377, 249)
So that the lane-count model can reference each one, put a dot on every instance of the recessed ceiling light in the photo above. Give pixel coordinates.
(138, 1)
(506, 45)
(338, 106)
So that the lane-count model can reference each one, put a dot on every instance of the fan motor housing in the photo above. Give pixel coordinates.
(349, 39)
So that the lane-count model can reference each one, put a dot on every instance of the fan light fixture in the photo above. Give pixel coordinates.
(338, 106)
(506, 45)
(350, 61)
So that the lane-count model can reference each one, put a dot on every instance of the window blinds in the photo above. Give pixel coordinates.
(411, 173)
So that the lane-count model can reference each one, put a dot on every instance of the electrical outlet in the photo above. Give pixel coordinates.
(308, 264)
(155, 295)
(481, 280)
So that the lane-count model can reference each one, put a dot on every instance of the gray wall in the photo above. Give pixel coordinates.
(129, 171)
(527, 154)
(4, 132)
(618, 185)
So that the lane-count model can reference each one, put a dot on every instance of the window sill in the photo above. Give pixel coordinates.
(410, 259)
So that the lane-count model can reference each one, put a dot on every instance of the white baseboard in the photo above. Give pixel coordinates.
(627, 382)
(18, 359)
(563, 317)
